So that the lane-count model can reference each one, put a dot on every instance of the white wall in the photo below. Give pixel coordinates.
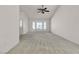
(24, 17)
(9, 31)
(66, 23)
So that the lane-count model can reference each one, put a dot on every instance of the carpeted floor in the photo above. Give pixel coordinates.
(44, 43)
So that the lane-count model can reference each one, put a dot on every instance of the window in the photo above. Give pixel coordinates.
(44, 25)
(39, 26)
(21, 23)
(33, 25)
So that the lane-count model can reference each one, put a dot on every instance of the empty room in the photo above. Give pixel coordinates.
(39, 29)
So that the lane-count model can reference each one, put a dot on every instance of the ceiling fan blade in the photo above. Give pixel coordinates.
(47, 11)
(39, 9)
(45, 8)
(42, 12)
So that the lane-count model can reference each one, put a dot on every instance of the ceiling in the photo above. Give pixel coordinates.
(32, 12)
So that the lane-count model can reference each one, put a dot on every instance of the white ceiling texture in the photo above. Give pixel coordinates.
(32, 12)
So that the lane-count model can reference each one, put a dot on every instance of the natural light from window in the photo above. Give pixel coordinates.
(39, 26)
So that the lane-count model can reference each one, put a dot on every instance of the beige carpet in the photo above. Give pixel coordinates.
(44, 43)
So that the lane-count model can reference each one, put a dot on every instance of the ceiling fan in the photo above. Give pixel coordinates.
(43, 10)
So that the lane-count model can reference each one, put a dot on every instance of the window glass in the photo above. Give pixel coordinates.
(39, 25)
(21, 23)
(44, 25)
(33, 25)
